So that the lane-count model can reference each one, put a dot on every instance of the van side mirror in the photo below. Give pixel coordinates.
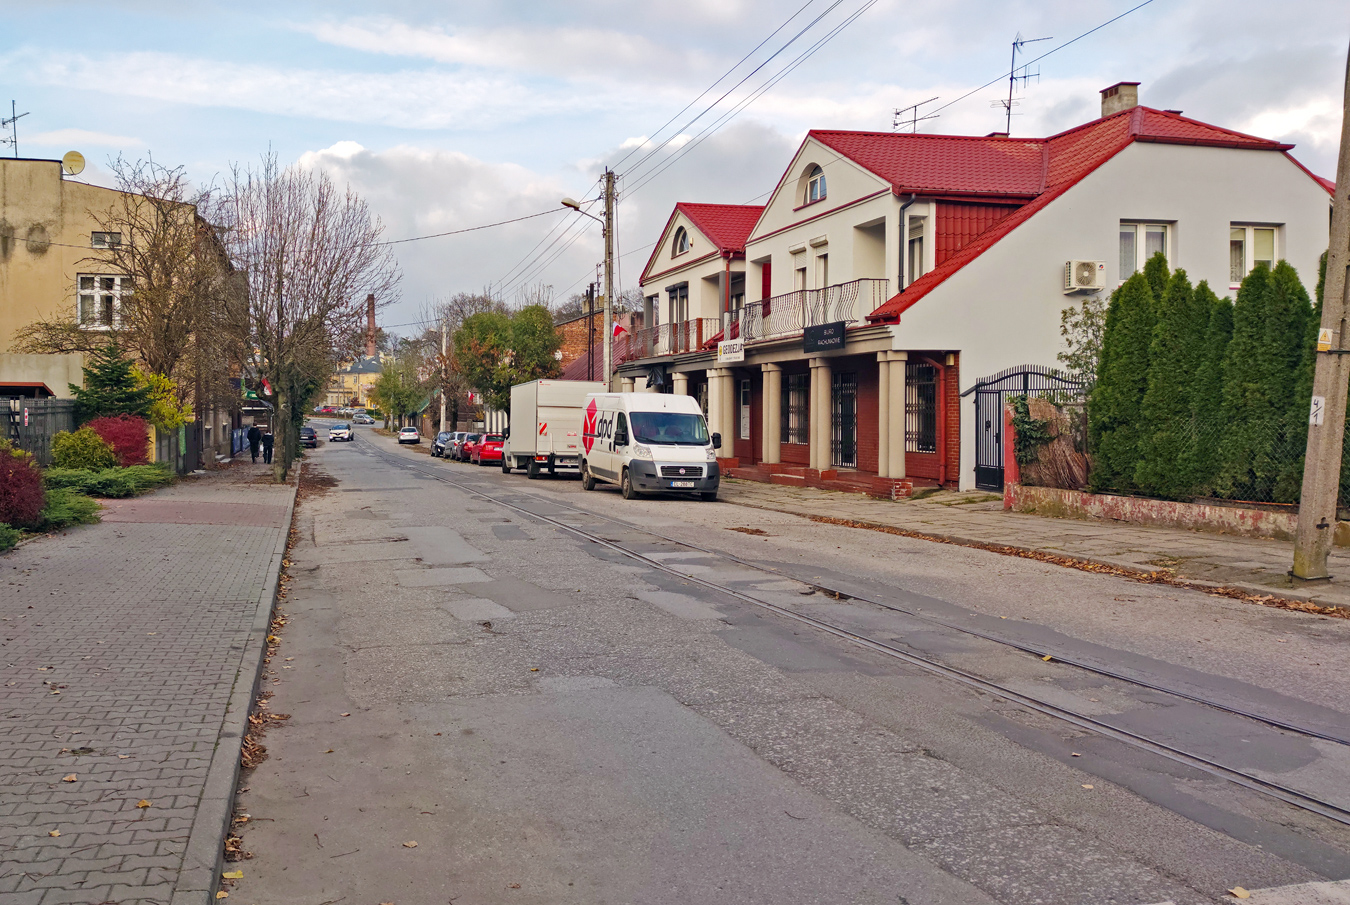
(717, 441)
(621, 437)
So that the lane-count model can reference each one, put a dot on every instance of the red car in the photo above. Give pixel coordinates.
(487, 449)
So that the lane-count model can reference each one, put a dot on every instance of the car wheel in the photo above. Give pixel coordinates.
(532, 470)
(626, 486)
(506, 466)
(587, 479)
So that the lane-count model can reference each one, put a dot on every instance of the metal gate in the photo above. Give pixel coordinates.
(844, 421)
(991, 394)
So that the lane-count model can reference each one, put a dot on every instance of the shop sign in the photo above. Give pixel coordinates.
(824, 337)
(729, 350)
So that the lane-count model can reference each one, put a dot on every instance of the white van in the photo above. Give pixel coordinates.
(649, 442)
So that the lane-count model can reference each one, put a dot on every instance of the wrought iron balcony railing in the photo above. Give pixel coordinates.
(670, 339)
(784, 315)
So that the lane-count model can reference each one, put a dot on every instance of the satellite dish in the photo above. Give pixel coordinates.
(73, 163)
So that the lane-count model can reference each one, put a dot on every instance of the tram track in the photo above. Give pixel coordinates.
(1274, 790)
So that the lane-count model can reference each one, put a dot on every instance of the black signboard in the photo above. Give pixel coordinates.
(824, 337)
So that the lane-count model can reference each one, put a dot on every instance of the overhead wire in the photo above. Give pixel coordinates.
(527, 256)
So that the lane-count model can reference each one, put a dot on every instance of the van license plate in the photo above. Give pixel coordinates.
(681, 483)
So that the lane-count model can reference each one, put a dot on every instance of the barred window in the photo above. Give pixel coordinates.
(796, 415)
(921, 412)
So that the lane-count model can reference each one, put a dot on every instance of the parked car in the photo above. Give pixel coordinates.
(309, 438)
(363, 418)
(409, 435)
(438, 445)
(488, 449)
(465, 449)
(340, 431)
(456, 441)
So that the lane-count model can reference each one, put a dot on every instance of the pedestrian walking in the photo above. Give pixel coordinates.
(267, 441)
(254, 441)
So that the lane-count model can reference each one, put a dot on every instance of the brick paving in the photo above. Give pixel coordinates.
(1258, 564)
(120, 646)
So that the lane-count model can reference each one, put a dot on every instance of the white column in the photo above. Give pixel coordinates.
(681, 382)
(883, 414)
(821, 422)
(772, 396)
(626, 385)
(715, 405)
(897, 414)
(731, 410)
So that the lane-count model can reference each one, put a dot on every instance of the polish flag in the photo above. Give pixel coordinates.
(267, 387)
(619, 329)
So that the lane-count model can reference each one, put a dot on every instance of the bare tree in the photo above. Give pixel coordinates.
(312, 254)
(172, 284)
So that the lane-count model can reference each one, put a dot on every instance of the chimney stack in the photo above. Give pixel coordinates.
(370, 326)
(1120, 96)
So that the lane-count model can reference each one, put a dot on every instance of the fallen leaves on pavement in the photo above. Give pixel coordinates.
(410, 844)
(69, 777)
(143, 803)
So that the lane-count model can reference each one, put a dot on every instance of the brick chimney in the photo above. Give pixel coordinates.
(370, 326)
(1120, 96)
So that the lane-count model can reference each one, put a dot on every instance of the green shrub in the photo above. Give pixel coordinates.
(8, 537)
(65, 508)
(82, 449)
(110, 482)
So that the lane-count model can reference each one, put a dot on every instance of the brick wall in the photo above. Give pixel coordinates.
(575, 338)
(952, 390)
(869, 403)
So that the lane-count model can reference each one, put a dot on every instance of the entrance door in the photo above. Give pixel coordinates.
(844, 421)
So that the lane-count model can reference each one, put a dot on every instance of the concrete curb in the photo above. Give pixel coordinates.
(199, 876)
(1255, 590)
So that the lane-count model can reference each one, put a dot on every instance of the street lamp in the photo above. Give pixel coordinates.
(607, 226)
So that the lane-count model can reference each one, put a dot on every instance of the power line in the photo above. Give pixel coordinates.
(527, 259)
(469, 229)
(1046, 54)
(718, 81)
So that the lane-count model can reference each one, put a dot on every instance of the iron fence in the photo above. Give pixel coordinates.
(31, 423)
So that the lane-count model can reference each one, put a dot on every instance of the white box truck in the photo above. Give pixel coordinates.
(545, 426)
(649, 442)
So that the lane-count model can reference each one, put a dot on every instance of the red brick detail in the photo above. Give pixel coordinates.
(791, 480)
(869, 411)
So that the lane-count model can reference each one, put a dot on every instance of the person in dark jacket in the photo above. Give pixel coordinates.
(254, 441)
(267, 441)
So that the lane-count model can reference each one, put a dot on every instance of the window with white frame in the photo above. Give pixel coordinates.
(99, 300)
(1138, 243)
(799, 271)
(914, 256)
(679, 303)
(822, 271)
(815, 185)
(681, 242)
(1249, 246)
(105, 240)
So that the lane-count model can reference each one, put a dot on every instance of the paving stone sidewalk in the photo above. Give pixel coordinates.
(1257, 564)
(128, 655)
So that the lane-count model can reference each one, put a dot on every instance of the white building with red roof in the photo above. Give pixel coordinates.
(888, 273)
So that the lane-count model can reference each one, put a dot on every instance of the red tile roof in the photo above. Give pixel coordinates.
(995, 165)
(727, 226)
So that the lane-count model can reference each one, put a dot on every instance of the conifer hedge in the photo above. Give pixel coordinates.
(1196, 396)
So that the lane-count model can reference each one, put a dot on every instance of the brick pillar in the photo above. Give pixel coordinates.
(773, 414)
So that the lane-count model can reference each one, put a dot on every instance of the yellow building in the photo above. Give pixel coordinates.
(48, 232)
(353, 381)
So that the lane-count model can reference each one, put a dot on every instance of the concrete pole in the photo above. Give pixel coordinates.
(771, 449)
(1322, 469)
(609, 277)
(883, 414)
(445, 335)
(681, 383)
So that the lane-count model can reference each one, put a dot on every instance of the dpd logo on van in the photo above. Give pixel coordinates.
(588, 428)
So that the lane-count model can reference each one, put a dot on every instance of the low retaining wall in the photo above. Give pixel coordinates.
(1161, 513)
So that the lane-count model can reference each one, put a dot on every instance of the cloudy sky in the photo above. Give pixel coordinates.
(447, 115)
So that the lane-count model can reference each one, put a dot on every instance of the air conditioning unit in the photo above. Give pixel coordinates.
(1084, 276)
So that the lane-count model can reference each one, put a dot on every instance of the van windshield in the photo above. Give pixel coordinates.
(669, 428)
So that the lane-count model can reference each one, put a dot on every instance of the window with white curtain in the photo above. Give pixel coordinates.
(1249, 246)
(1138, 243)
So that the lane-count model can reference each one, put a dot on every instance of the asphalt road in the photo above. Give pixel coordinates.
(552, 720)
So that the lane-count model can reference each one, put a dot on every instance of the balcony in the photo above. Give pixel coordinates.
(668, 339)
(785, 315)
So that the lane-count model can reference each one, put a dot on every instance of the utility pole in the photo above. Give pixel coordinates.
(609, 277)
(445, 335)
(1326, 420)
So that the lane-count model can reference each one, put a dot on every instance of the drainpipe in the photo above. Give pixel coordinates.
(904, 239)
(726, 293)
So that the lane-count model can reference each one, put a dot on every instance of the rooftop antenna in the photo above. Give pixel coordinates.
(12, 124)
(1014, 78)
(909, 116)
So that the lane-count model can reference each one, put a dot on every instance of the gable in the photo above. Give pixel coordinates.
(846, 183)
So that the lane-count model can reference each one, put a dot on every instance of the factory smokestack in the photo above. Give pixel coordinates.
(370, 326)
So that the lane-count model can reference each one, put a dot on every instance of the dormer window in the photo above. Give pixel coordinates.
(681, 243)
(815, 185)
